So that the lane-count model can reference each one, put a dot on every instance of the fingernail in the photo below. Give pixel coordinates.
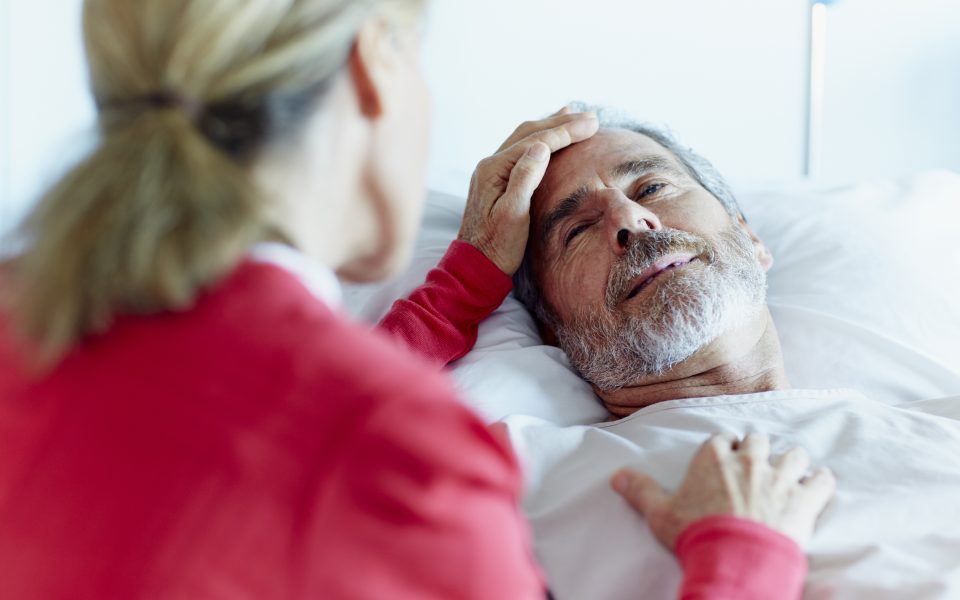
(538, 151)
(620, 483)
(588, 115)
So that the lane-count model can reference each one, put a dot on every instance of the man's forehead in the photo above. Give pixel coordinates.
(596, 157)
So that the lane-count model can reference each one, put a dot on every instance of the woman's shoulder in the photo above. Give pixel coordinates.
(365, 377)
(328, 347)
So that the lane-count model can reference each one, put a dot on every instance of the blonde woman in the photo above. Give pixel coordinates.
(185, 412)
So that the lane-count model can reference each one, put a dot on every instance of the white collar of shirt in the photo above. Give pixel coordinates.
(317, 277)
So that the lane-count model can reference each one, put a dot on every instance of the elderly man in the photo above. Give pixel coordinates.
(642, 268)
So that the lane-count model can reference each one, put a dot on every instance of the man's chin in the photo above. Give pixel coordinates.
(641, 348)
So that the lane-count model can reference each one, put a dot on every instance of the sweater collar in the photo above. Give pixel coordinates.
(317, 277)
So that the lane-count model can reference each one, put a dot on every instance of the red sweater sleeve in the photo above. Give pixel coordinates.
(439, 319)
(729, 558)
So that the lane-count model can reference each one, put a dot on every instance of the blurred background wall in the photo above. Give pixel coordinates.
(729, 77)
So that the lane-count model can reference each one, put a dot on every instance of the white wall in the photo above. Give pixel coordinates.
(893, 88)
(47, 112)
(728, 76)
(5, 138)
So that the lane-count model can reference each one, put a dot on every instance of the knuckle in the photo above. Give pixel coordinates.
(484, 164)
(715, 444)
(825, 477)
(800, 455)
(526, 167)
(561, 136)
(555, 138)
(719, 439)
(748, 460)
(715, 453)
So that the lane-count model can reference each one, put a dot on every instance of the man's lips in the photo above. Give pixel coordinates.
(659, 267)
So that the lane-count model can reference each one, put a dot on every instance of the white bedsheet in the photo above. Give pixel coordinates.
(892, 531)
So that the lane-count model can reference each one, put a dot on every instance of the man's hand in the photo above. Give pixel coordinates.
(734, 478)
(497, 217)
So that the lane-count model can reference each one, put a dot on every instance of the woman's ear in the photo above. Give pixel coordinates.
(763, 254)
(369, 64)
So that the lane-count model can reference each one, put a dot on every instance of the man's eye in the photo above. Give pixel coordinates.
(575, 232)
(650, 189)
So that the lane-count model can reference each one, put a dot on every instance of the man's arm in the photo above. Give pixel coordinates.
(440, 318)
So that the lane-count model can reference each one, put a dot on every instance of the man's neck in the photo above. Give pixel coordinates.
(744, 361)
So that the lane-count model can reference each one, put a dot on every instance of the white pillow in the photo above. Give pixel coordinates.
(864, 292)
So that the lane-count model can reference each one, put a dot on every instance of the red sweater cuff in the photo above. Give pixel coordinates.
(725, 557)
(483, 281)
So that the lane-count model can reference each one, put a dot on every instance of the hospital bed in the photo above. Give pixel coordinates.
(864, 293)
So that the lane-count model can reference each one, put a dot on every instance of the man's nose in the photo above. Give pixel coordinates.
(626, 220)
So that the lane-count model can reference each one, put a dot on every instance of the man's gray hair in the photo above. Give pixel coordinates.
(525, 285)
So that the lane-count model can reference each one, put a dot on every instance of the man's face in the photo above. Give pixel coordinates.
(639, 264)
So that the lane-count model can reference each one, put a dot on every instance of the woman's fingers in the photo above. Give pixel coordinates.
(791, 466)
(756, 445)
(728, 476)
(817, 489)
(641, 491)
(719, 445)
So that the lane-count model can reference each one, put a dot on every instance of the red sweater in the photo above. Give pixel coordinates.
(261, 446)
(256, 446)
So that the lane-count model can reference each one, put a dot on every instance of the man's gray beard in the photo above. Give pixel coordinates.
(685, 312)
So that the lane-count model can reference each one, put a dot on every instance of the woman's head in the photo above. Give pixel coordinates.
(211, 114)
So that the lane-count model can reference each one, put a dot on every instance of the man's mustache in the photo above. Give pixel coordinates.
(644, 250)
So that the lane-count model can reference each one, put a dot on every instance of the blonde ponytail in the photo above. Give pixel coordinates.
(141, 225)
(190, 91)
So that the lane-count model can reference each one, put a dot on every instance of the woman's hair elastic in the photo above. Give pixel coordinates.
(191, 107)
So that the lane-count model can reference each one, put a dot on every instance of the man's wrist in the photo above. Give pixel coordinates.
(484, 282)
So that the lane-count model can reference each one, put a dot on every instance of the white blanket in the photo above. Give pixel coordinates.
(892, 531)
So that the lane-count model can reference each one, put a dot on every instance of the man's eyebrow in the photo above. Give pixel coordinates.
(564, 209)
(638, 167)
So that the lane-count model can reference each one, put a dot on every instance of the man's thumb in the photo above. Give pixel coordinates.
(639, 489)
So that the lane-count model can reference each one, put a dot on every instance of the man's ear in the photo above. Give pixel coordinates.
(763, 254)
(369, 64)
